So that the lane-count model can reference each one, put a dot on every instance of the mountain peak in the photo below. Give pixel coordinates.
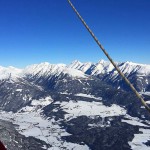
(102, 61)
(9, 72)
(75, 64)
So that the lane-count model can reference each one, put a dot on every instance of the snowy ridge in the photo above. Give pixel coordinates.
(65, 114)
(129, 67)
(42, 69)
(102, 67)
(92, 68)
(46, 69)
(75, 69)
(80, 66)
(105, 67)
(9, 72)
(138, 74)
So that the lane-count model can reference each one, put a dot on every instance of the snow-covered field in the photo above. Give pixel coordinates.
(90, 109)
(89, 96)
(32, 123)
(139, 139)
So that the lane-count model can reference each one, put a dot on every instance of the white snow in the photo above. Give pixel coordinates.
(80, 66)
(146, 81)
(82, 108)
(134, 122)
(105, 67)
(42, 102)
(75, 69)
(9, 72)
(139, 139)
(75, 65)
(146, 93)
(65, 93)
(147, 102)
(47, 69)
(19, 90)
(100, 67)
(74, 73)
(42, 69)
(129, 67)
(31, 123)
(88, 96)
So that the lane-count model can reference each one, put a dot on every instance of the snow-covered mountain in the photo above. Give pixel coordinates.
(138, 74)
(101, 67)
(72, 107)
(46, 69)
(9, 72)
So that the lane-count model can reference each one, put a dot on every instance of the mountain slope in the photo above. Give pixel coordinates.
(65, 108)
(138, 74)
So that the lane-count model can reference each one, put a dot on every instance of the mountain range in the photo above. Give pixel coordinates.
(80, 106)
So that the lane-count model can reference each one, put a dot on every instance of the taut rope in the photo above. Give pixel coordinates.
(110, 59)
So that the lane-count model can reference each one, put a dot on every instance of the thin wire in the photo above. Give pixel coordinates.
(110, 59)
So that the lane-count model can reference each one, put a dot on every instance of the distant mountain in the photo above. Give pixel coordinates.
(101, 67)
(9, 72)
(138, 74)
(74, 107)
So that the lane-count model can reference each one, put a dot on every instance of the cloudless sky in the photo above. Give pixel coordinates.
(34, 31)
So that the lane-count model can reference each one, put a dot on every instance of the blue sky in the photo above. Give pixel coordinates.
(34, 31)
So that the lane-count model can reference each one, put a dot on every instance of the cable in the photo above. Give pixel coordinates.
(110, 59)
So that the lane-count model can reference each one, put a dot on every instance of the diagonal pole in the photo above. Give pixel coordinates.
(110, 59)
